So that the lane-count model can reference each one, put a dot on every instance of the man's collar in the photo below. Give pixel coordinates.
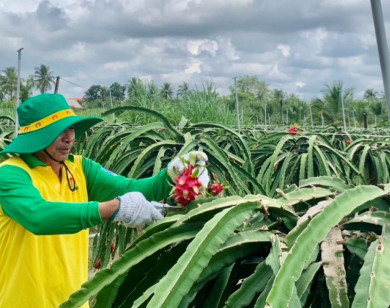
(32, 161)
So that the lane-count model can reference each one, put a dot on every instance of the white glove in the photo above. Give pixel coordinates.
(135, 211)
(176, 166)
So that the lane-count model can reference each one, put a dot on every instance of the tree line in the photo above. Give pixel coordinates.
(257, 102)
(42, 80)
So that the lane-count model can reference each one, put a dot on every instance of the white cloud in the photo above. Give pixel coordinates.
(337, 3)
(315, 39)
(194, 67)
(76, 53)
(277, 74)
(253, 68)
(116, 66)
(18, 6)
(195, 47)
(227, 48)
(285, 50)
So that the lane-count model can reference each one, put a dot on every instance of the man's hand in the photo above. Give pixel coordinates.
(135, 211)
(178, 164)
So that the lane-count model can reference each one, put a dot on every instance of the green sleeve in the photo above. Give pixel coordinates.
(104, 185)
(21, 201)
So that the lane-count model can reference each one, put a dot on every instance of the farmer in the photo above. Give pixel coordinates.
(49, 198)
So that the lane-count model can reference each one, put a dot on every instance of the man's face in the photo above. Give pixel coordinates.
(60, 149)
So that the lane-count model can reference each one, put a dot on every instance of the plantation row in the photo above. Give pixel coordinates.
(302, 223)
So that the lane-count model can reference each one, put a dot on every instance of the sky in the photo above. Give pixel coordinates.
(297, 46)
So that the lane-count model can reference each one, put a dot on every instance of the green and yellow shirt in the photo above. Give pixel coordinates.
(43, 225)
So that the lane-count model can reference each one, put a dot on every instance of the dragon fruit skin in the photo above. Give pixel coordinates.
(187, 187)
(216, 188)
(293, 130)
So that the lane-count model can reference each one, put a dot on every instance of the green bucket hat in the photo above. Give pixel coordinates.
(42, 119)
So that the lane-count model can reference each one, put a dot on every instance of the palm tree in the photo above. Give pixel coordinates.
(26, 88)
(43, 78)
(330, 104)
(370, 94)
(166, 91)
(183, 90)
(152, 91)
(136, 89)
(8, 82)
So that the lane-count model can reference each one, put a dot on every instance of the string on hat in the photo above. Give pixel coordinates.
(72, 186)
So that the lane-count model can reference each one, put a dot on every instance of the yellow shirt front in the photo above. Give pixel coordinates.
(43, 253)
(41, 271)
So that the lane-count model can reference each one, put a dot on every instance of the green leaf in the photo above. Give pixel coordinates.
(251, 286)
(302, 167)
(218, 288)
(304, 220)
(304, 195)
(362, 162)
(134, 172)
(221, 156)
(274, 259)
(315, 232)
(167, 124)
(239, 246)
(158, 162)
(368, 221)
(304, 282)
(242, 142)
(372, 288)
(186, 271)
(130, 258)
(310, 156)
(273, 159)
(357, 246)
(236, 247)
(327, 181)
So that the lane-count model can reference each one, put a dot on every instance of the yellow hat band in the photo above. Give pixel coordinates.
(46, 121)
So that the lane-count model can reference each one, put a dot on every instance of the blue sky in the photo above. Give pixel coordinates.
(297, 46)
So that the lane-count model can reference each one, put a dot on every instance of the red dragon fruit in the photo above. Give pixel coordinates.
(97, 264)
(216, 188)
(293, 130)
(187, 187)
